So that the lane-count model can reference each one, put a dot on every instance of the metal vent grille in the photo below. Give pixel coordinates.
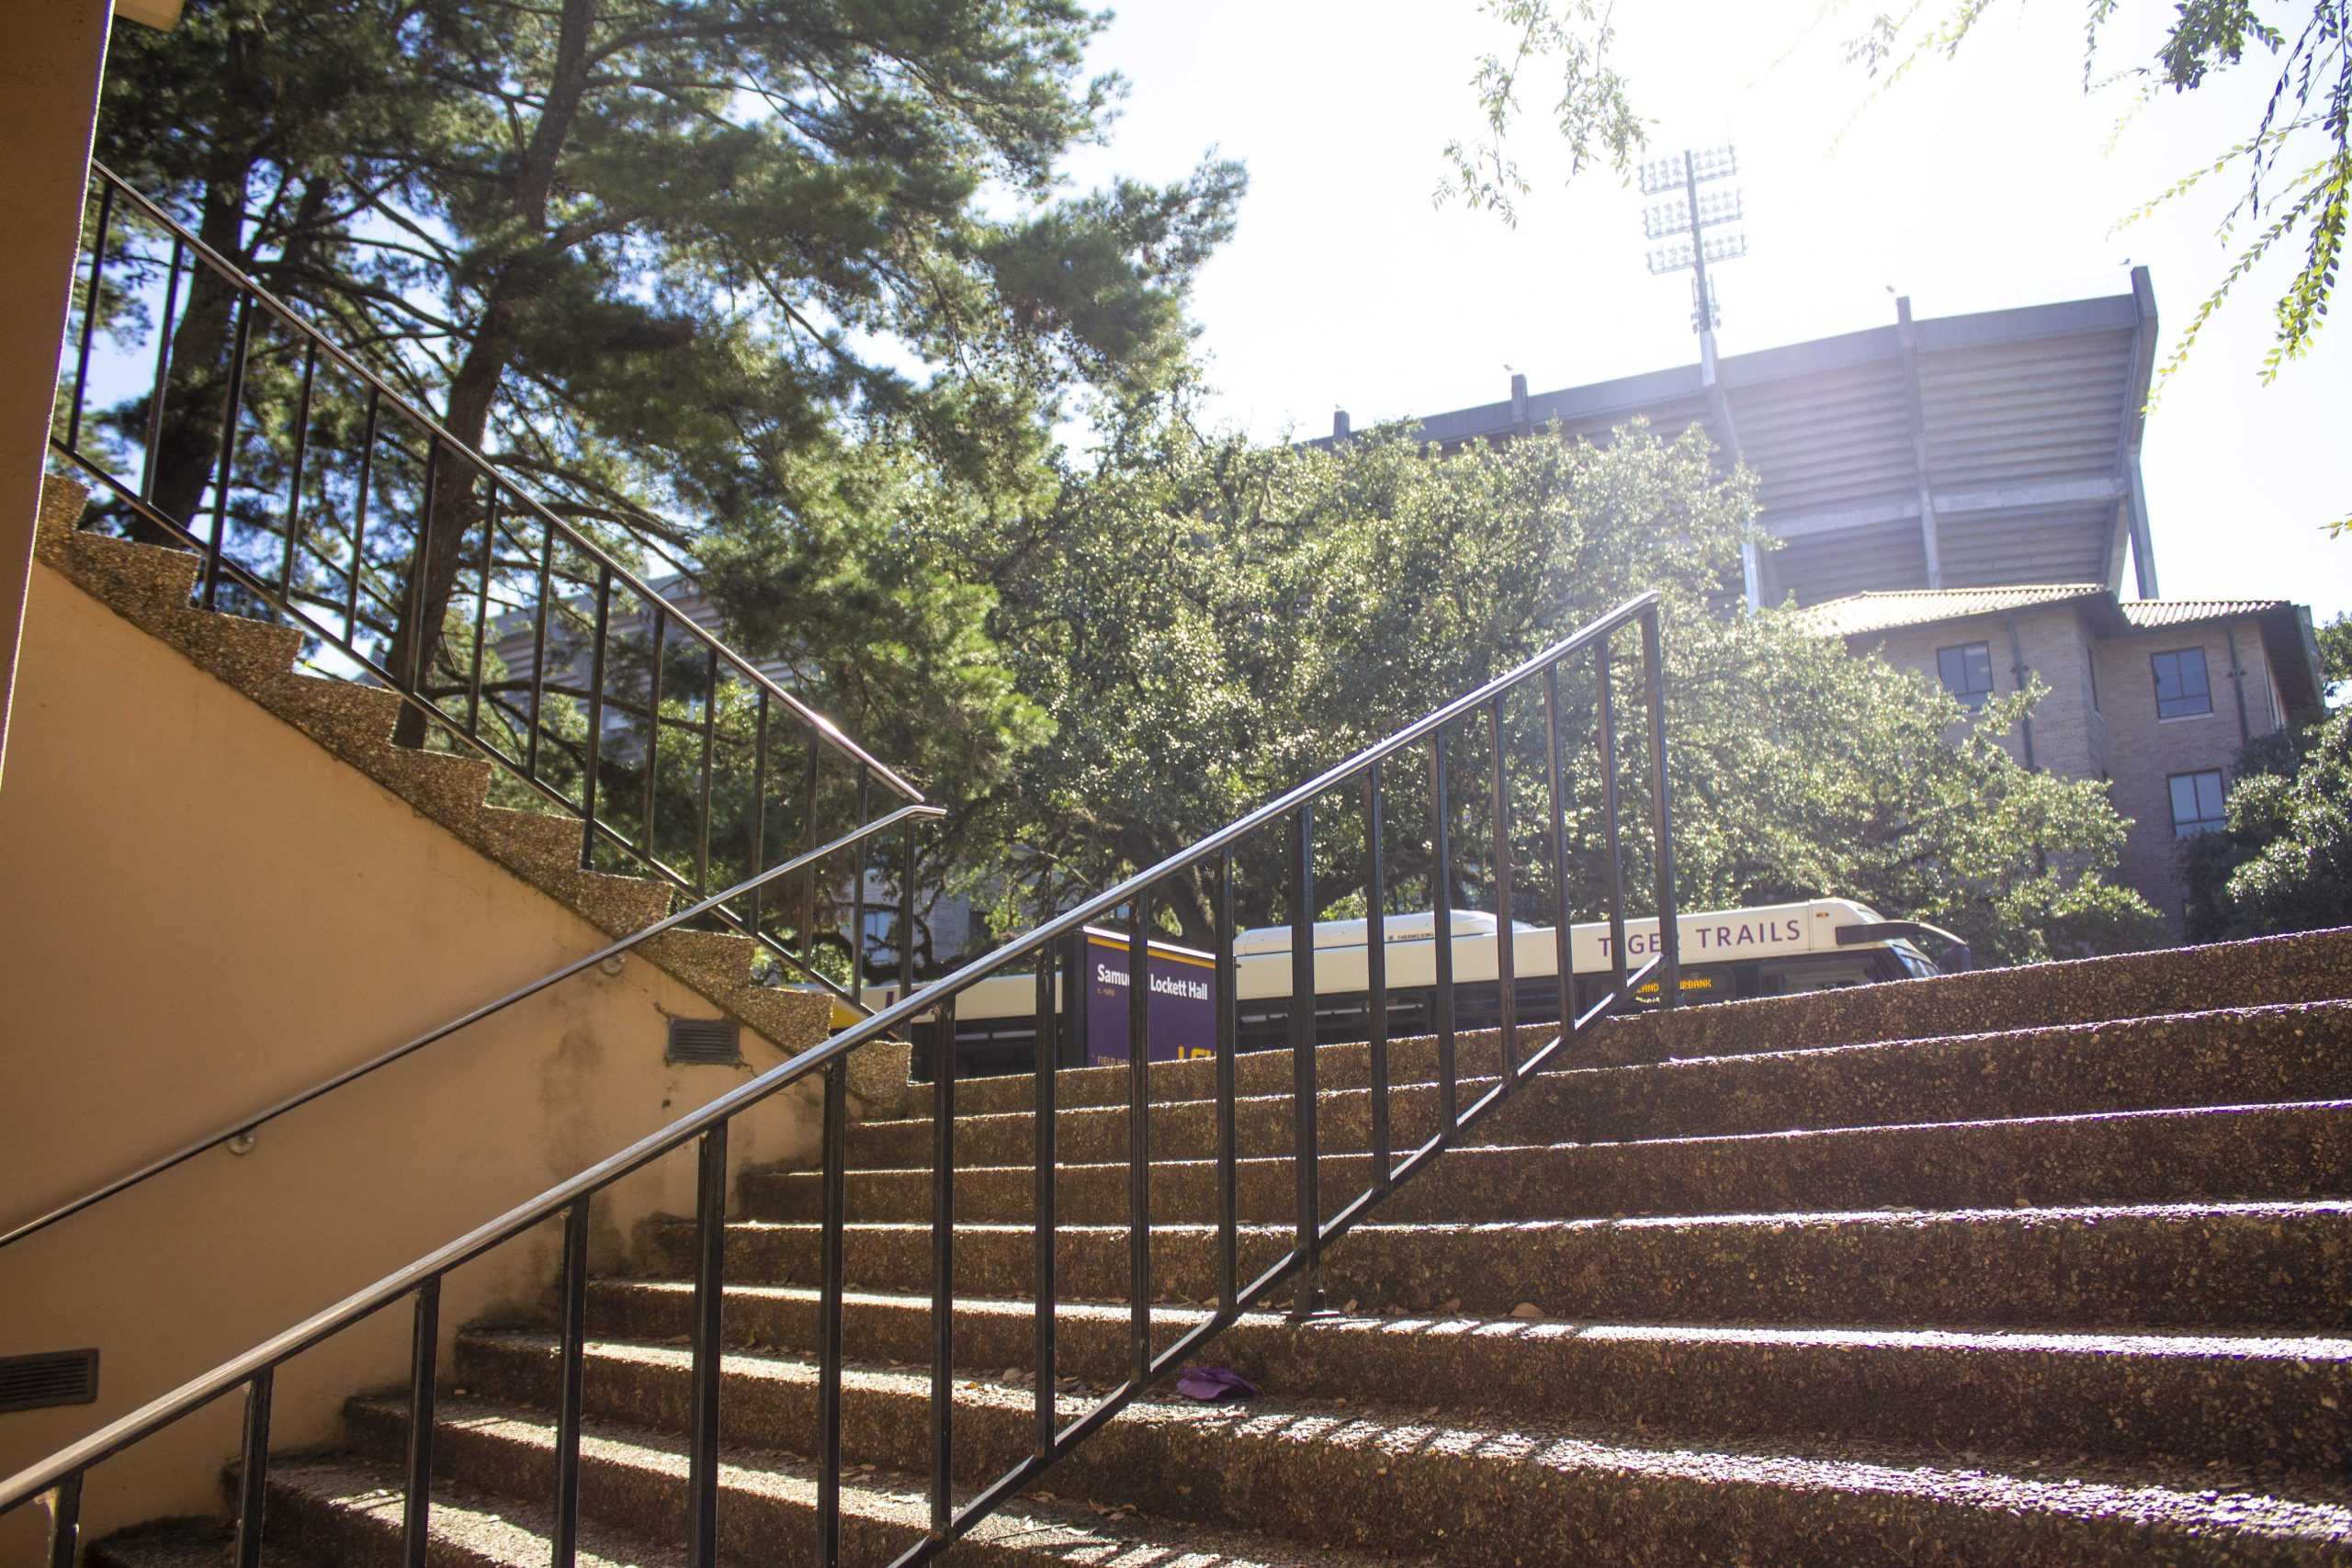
(705, 1042)
(56, 1376)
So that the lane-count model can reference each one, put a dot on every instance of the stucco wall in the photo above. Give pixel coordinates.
(206, 911)
(51, 55)
(2147, 750)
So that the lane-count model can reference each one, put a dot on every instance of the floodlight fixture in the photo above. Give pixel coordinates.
(1659, 175)
(1684, 218)
(1678, 216)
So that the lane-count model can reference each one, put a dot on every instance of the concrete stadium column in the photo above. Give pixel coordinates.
(51, 55)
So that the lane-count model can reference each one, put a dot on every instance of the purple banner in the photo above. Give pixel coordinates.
(1183, 1000)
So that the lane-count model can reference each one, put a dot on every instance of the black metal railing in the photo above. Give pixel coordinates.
(315, 494)
(247, 1126)
(1055, 944)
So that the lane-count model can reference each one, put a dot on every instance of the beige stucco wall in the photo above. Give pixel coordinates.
(2148, 750)
(205, 911)
(51, 55)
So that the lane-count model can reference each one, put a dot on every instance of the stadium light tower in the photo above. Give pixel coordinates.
(1686, 212)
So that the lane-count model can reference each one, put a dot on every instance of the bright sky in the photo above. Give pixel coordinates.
(1984, 183)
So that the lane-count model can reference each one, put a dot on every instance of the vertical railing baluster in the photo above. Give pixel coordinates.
(1563, 938)
(832, 1271)
(1304, 1154)
(539, 648)
(805, 885)
(1669, 935)
(65, 1522)
(710, 1295)
(161, 394)
(1044, 1228)
(595, 716)
(1442, 933)
(1139, 1140)
(253, 1476)
(759, 807)
(647, 812)
(425, 1348)
(1506, 945)
(482, 602)
(232, 404)
(89, 318)
(420, 574)
(857, 887)
(1375, 968)
(942, 1271)
(709, 739)
(1228, 1017)
(570, 1384)
(294, 485)
(358, 507)
(907, 913)
(1613, 860)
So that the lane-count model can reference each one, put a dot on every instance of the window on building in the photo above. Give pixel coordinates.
(881, 936)
(2196, 804)
(1967, 672)
(2181, 688)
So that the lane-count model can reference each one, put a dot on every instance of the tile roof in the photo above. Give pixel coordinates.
(2145, 614)
(1858, 612)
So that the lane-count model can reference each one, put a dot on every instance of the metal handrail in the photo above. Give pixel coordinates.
(832, 733)
(326, 1085)
(62, 1472)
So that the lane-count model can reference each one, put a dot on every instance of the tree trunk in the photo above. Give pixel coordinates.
(187, 447)
(454, 512)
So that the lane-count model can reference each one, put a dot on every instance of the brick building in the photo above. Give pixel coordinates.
(2157, 696)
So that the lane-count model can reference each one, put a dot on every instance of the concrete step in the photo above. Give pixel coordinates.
(2252, 1400)
(2232, 1056)
(2310, 966)
(766, 1505)
(2234, 1152)
(1367, 1478)
(2247, 1264)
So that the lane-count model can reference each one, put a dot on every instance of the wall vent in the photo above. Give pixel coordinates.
(56, 1376)
(705, 1042)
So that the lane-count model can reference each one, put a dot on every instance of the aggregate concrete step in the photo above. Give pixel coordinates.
(195, 1542)
(1366, 1479)
(2278, 1401)
(766, 1505)
(2227, 1152)
(2228, 1057)
(2309, 966)
(2246, 1265)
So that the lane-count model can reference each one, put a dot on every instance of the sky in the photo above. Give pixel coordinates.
(1979, 184)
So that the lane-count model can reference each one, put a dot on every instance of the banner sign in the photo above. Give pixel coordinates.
(1183, 1000)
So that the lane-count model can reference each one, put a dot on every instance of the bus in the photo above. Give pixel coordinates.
(1726, 954)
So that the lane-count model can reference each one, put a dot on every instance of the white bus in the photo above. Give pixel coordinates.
(1726, 954)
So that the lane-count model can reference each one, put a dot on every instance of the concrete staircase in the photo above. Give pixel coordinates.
(152, 588)
(2043, 1266)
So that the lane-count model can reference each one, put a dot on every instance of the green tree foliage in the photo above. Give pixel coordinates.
(2284, 863)
(693, 270)
(1211, 623)
(2335, 652)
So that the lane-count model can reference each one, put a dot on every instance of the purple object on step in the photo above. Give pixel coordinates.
(1209, 1385)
